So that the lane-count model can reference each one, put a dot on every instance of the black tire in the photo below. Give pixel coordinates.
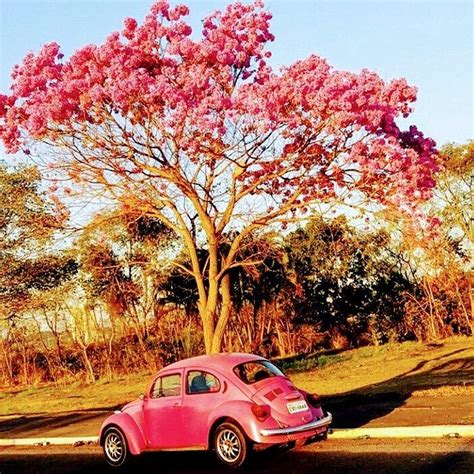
(115, 448)
(230, 445)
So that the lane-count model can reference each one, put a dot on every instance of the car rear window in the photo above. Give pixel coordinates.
(252, 372)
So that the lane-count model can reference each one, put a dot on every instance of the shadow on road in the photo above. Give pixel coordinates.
(297, 462)
(31, 426)
(358, 407)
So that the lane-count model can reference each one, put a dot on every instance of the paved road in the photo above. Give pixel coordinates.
(379, 457)
(381, 410)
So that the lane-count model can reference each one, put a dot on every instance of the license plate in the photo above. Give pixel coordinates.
(295, 407)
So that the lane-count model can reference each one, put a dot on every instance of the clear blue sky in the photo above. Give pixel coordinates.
(428, 42)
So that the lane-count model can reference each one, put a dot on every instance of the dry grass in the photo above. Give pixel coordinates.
(445, 391)
(408, 367)
(421, 369)
(76, 396)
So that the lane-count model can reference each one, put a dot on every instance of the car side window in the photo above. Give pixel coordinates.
(198, 381)
(167, 386)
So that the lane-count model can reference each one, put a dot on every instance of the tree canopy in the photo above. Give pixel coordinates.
(204, 135)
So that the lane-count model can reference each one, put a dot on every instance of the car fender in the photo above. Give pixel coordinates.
(134, 435)
(241, 412)
(316, 411)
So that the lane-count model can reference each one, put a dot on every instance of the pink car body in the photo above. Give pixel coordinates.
(189, 400)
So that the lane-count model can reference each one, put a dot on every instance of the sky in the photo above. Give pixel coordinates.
(428, 42)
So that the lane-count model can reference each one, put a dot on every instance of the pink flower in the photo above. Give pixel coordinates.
(205, 94)
(130, 25)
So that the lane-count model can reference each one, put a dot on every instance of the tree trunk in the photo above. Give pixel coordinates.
(207, 318)
(214, 322)
(224, 315)
(88, 364)
(214, 302)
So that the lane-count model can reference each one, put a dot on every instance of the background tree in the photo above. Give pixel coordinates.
(203, 135)
(350, 286)
(452, 202)
(33, 270)
(452, 199)
(439, 258)
(28, 262)
(122, 257)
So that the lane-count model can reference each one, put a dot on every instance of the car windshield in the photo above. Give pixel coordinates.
(252, 372)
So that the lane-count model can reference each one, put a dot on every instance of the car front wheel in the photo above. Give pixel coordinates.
(115, 448)
(230, 445)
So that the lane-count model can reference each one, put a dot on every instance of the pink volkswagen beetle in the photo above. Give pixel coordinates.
(223, 402)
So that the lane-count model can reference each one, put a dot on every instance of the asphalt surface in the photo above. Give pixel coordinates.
(349, 412)
(445, 456)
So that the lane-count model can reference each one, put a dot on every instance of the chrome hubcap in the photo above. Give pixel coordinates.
(228, 445)
(114, 447)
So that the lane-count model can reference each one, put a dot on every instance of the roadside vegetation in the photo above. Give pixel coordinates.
(113, 303)
(410, 368)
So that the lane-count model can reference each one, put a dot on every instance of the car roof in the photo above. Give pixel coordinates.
(224, 361)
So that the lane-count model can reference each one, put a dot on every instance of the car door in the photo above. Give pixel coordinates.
(203, 391)
(162, 412)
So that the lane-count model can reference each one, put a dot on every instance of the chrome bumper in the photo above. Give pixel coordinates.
(298, 429)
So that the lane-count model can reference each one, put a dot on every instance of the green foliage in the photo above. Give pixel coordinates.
(259, 278)
(438, 259)
(263, 278)
(345, 280)
(453, 196)
(29, 264)
(329, 284)
(117, 253)
(179, 288)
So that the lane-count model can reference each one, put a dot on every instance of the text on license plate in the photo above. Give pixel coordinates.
(295, 407)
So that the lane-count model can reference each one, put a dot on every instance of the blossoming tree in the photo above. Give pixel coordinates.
(204, 135)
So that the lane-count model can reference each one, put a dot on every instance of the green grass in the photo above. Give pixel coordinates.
(310, 363)
(418, 369)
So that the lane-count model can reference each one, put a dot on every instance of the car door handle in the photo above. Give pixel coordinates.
(176, 405)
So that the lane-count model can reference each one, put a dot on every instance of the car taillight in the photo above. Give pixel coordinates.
(314, 400)
(261, 412)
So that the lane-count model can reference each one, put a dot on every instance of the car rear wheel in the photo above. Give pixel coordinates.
(231, 445)
(115, 448)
